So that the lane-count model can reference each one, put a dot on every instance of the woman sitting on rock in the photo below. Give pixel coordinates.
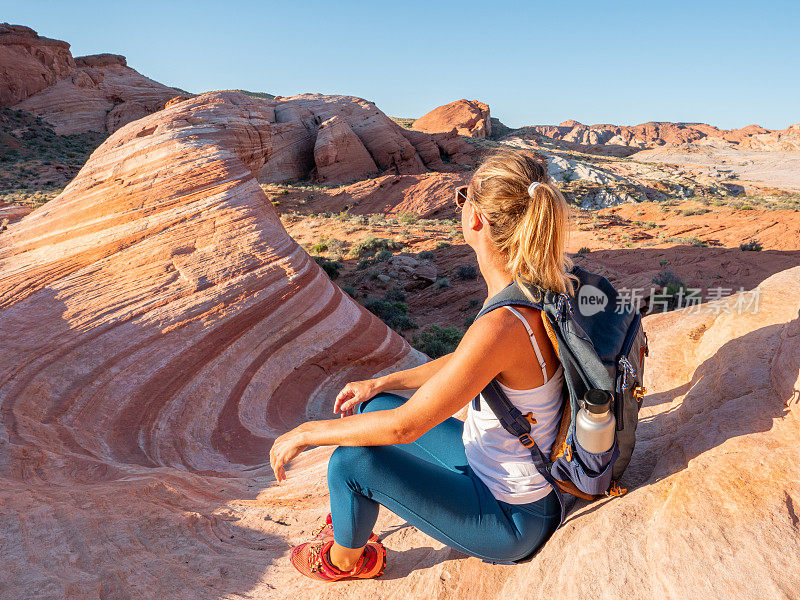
(470, 485)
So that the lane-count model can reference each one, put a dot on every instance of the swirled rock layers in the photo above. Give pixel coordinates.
(157, 314)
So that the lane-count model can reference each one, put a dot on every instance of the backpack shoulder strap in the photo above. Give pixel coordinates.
(517, 424)
(509, 295)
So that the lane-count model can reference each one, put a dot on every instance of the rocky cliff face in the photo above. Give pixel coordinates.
(29, 63)
(90, 93)
(467, 117)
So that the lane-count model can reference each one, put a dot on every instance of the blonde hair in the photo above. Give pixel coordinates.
(530, 231)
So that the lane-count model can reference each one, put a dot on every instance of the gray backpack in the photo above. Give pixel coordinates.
(601, 345)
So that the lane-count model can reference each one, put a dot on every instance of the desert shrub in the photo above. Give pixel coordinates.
(349, 289)
(689, 212)
(393, 313)
(395, 295)
(407, 218)
(442, 283)
(442, 245)
(331, 267)
(370, 245)
(381, 256)
(376, 220)
(466, 272)
(437, 341)
(319, 247)
(669, 282)
(689, 241)
(584, 250)
(425, 255)
(752, 246)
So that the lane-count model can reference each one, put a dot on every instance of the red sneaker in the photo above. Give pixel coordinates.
(312, 559)
(325, 531)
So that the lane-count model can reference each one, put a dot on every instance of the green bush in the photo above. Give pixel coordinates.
(395, 295)
(331, 267)
(350, 290)
(425, 255)
(393, 313)
(407, 218)
(584, 250)
(752, 246)
(370, 245)
(466, 272)
(437, 341)
(442, 245)
(381, 256)
(442, 283)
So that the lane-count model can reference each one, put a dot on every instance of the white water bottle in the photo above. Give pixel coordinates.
(595, 424)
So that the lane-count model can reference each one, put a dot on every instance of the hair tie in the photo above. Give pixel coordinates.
(532, 187)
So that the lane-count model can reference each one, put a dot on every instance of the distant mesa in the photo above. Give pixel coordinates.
(656, 134)
(88, 93)
(467, 117)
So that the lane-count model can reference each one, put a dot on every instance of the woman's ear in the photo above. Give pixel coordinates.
(476, 219)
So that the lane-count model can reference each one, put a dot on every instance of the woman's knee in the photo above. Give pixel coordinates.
(383, 401)
(350, 460)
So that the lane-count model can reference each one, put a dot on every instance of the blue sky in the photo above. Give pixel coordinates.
(725, 63)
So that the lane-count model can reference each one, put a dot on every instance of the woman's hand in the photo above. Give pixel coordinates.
(284, 449)
(354, 393)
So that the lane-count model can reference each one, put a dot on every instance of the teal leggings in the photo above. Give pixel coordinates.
(429, 484)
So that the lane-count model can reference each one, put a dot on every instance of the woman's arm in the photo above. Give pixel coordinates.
(356, 392)
(479, 357)
(411, 379)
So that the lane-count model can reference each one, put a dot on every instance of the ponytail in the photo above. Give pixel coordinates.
(529, 219)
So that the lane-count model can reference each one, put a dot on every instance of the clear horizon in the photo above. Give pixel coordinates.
(729, 64)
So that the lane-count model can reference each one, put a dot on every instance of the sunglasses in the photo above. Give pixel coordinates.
(461, 196)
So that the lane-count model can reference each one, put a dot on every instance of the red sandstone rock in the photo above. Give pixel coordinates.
(89, 93)
(102, 95)
(29, 63)
(297, 120)
(468, 117)
(339, 155)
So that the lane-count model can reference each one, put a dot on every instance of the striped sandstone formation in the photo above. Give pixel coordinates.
(157, 314)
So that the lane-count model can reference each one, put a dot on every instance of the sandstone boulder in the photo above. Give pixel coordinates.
(298, 122)
(339, 155)
(468, 117)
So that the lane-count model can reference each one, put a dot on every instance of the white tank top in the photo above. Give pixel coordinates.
(496, 456)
